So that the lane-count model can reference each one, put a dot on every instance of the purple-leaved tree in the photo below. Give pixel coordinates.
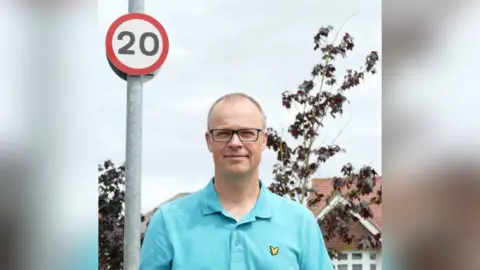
(320, 96)
(111, 196)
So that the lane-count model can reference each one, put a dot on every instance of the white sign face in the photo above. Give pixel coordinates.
(137, 44)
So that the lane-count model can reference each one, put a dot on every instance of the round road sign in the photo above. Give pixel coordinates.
(137, 44)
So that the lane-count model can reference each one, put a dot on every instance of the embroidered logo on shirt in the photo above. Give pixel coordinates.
(274, 250)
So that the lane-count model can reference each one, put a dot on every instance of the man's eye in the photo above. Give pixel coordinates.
(247, 134)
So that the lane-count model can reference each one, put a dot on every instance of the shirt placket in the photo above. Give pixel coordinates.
(237, 256)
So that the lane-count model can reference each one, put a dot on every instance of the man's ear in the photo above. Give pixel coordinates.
(208, 140)
(264, 142)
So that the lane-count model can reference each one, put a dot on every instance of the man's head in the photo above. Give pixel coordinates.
(236, 135)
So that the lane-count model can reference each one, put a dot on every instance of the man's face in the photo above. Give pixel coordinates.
(236, 158)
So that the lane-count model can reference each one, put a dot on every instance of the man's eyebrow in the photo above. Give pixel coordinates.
(242, 127)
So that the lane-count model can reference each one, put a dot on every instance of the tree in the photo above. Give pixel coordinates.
(111, 184)
(317, 98)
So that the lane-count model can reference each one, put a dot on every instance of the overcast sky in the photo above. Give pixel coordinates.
(261, 48)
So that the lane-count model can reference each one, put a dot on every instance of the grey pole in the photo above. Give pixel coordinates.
(133, 164)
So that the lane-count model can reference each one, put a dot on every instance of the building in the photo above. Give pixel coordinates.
(350, 257)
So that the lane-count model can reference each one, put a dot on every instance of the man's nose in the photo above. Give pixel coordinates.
(235, 141)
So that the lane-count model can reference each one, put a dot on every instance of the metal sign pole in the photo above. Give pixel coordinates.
(133, 166)
(136, 65)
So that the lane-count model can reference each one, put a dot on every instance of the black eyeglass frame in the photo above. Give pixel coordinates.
(235, 131)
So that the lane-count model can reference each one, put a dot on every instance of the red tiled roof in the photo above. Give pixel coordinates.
(324, 186)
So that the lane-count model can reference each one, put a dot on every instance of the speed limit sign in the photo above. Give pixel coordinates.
(137, 44)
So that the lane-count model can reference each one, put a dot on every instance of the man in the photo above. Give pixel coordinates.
(234, 222)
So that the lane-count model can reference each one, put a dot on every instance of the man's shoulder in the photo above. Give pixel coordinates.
(170, 214)
(287, 206)
(186, 203)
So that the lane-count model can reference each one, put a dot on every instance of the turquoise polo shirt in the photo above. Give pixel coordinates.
(195, 233)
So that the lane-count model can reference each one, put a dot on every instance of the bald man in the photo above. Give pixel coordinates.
(234, 222)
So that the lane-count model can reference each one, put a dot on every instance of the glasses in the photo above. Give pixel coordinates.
(245, 135)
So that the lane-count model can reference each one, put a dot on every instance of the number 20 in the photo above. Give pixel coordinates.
(126, 49)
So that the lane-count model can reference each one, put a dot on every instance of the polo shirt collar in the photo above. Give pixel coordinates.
(211, 203)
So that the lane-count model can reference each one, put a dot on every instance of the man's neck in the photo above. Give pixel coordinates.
(237, 190)
(237, 196)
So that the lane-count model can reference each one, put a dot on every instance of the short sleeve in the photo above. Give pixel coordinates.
(157, 250)
(314, 252)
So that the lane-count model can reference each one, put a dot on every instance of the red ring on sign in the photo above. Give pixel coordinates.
(135, 71)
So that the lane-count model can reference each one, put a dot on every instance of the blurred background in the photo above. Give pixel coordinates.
(430, 134)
